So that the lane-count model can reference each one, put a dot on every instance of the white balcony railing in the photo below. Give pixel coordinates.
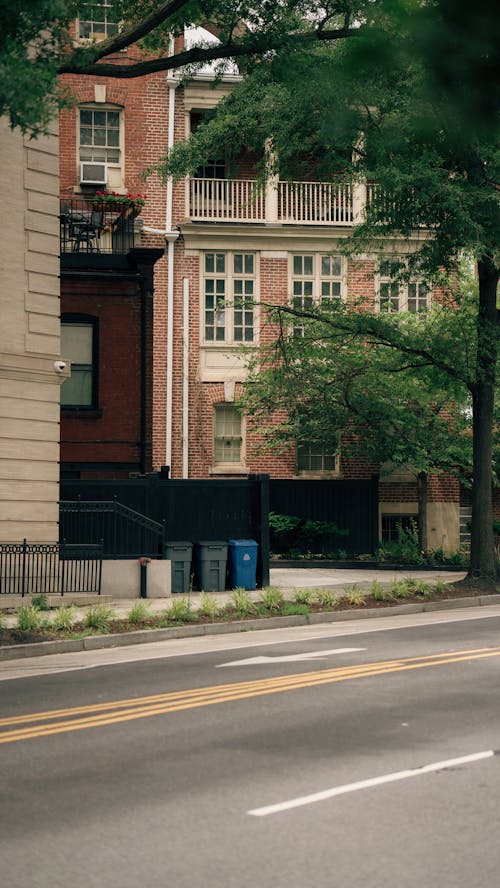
(226, 200)
(299, 203)
(315, 203)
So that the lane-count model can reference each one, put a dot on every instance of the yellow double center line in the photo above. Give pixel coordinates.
(78, 718)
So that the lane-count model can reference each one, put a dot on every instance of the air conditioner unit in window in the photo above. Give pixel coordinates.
(93, 173)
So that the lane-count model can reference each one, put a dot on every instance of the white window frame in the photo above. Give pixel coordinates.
(94, 35)
(228, 464)
(111, 165)
(404, 296)
(309, 286)
(225, 284)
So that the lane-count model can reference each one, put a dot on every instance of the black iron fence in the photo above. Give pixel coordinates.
(86, 227)
(125, 533)
(50, 568)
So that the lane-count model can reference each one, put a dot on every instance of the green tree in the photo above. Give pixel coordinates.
(392, 106)
(409, 88)
(360, 391)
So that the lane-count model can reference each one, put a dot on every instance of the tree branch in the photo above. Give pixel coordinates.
(195, 55)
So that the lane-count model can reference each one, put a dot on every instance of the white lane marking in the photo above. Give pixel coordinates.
(367, 784)
(290, 658)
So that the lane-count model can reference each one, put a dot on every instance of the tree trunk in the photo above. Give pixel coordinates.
(423, 542)
(483, 559)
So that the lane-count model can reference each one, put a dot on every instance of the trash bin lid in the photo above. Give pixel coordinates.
(248, 543)
(212, 543)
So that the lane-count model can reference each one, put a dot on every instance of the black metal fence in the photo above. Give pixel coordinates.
(189, 510)
(351, 505)
(50, 568)
(88, 228)
(124, 532)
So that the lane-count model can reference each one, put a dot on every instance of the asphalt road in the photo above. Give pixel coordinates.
(338, 755)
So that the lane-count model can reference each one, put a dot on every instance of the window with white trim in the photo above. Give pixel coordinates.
(228, 436)
(96, 20)
(394, 294)
(316, 279)
(229, 282)
(100, 140)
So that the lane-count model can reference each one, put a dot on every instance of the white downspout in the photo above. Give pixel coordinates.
(170, 237)
(185, 378)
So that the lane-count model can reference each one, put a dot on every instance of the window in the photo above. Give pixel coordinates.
(79, 344)
(397, 295)
(229, 293)
(312, 457)
(227, 435)
(212, 169)
(95, 21)
(316, 280)
(100, 135)
(392, 525)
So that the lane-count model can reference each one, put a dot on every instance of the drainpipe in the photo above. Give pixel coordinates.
(185, 378)
(170, 237)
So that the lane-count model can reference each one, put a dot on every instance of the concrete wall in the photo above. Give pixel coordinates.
(122, 579)
(29, 337)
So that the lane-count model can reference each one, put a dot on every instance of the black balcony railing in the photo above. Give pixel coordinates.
(87, 227)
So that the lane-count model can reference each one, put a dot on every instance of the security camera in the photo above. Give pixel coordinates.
(59, 366)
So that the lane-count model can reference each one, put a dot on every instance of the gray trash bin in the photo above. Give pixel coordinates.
(211, 556)
(180, 554)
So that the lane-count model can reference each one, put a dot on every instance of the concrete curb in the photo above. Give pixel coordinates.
(147, 636)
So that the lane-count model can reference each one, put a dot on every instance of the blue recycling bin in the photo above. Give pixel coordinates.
(242, 558)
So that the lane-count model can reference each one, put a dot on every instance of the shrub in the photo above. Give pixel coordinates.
(41, 602)
(403, 550)
(422, 589)
(242, 602)
(98, 617)
(271, 598)
(326, 598)
(440, 587)
(29, 618)
(209, 606)
(403, 588)
(180, 611)
(139, 612)
(355, 597)
(3, 620)
(378, 592)
(302, 596)
(298, 535)
(64, 618)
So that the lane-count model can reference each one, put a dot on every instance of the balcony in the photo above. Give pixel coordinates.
(88, 231)
(288, 203)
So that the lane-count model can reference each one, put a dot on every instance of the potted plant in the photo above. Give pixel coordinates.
(113, 202)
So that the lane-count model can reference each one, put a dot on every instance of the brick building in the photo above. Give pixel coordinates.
(220, 246)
